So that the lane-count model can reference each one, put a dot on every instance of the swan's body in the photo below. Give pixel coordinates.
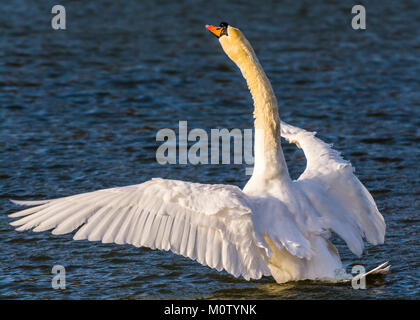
(275, 226)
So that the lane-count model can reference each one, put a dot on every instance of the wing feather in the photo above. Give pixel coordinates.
(208, 223)
(335, 193)
(111, 234)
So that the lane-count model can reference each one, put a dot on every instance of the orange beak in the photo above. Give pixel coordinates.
(215, 30)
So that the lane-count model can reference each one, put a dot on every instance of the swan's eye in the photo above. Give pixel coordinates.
(224, 26)
(218, 31)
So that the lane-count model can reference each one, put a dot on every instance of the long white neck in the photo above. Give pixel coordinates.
(269, 161)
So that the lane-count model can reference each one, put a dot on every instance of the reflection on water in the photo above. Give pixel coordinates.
(267, 289)
(80, 110)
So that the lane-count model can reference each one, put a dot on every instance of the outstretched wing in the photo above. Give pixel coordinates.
(344, 204)
(208, 223)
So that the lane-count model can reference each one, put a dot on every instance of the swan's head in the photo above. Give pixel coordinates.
(233, 42)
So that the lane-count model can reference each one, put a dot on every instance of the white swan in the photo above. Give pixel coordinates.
(274, 226)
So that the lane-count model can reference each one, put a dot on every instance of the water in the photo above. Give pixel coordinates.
(80, 110)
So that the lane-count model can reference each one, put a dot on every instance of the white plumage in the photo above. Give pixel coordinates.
(208, 223)
(275, 226)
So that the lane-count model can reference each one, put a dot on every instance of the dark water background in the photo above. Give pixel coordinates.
(80, 109)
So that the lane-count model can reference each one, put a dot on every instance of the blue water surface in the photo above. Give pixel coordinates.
(80, 109)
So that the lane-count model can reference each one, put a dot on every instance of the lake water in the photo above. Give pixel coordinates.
(80, 109)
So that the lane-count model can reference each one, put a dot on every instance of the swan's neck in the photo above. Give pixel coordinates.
(269, 159)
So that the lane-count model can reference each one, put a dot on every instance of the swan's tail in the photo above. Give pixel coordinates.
(382, 269)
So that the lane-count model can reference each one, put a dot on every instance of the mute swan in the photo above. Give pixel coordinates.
(274, 226)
